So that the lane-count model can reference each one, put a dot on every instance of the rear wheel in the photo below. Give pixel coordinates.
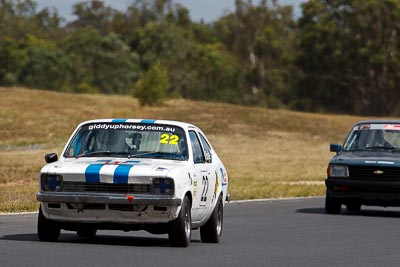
(48, 230)
(180, 230)
(353, 207)
(211, 232)
(332, 206)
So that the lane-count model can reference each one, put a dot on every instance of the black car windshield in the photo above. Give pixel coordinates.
(132, 140)
(379, 137)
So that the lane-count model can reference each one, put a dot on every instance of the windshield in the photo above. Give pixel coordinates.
(129, 140)
(373, 137)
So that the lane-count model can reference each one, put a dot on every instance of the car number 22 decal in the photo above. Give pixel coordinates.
(169, 139)
(204, 191)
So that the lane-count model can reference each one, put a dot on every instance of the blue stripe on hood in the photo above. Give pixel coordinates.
(92, 173)
(121, 174)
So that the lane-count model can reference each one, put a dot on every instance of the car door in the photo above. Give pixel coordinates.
(216, 172)
(203, 180)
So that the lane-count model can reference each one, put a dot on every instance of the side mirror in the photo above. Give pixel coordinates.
(208, 157)
(335, 147)
(52, 157)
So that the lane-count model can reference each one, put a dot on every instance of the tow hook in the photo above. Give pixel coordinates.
(80, 207)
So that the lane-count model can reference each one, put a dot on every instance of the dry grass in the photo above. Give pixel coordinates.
(17, 197)
(268, 153)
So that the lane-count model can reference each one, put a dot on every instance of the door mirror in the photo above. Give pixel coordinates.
(52, 157)
(335, 147)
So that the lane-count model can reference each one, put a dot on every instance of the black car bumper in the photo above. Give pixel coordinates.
(379, 193)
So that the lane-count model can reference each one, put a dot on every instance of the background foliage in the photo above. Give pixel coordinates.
(337, 56)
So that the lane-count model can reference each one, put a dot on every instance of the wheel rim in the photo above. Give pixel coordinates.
(219, 219)
(187, 223)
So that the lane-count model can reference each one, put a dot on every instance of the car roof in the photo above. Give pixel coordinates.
(183, 125)
(379, 121)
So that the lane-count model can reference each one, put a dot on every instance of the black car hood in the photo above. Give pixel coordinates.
(365, 158)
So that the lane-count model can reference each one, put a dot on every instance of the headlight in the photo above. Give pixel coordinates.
(51, 182)
(162, 186)
(338, 171)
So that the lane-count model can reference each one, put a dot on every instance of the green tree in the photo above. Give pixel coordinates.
(116, 66)
(10, 57)
(19, 18)
(138, 15)
(45, 66)
(196, 70)
(22, 55)
(349, 57)
(48, 24)
(211, 74)
(94, 14)
(82, 47)
(170, 46)
(105, 64)
(259, 36)
(151, 89)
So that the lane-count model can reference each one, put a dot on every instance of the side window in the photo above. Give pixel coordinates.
(78, 145)
(205, 144)
(198, 156)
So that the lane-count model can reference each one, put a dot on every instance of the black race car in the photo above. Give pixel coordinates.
(366, 168)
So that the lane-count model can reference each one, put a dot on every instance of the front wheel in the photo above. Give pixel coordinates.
(332, 206)
(48, 230)
(211, 232)
(180, 230)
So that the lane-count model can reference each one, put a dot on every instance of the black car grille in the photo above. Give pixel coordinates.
(374, 173)
(106, 188)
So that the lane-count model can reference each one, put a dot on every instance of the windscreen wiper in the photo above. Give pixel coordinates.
(356, 150)
(379, 148)
(138, 155)
(94, 153)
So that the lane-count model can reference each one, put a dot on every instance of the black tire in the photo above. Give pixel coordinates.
(332, 206)
(48, 230)
(353, 207)
(86, 231)
(211, 232)
(180, 230)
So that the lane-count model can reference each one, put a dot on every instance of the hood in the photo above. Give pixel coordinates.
(118, 171)
(368, 158)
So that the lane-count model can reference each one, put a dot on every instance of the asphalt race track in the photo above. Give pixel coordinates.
(262, 233)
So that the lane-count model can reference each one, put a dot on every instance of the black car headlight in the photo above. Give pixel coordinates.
(338, 171)
(162, 186)
(51, 182)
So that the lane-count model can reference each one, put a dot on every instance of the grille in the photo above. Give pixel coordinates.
(106, 188)
(374, 173)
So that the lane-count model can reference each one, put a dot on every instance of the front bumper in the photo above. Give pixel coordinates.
(101, 198)
(108, 208)
(381, 193)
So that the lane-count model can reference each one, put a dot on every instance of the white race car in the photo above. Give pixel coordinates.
(129, 174)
